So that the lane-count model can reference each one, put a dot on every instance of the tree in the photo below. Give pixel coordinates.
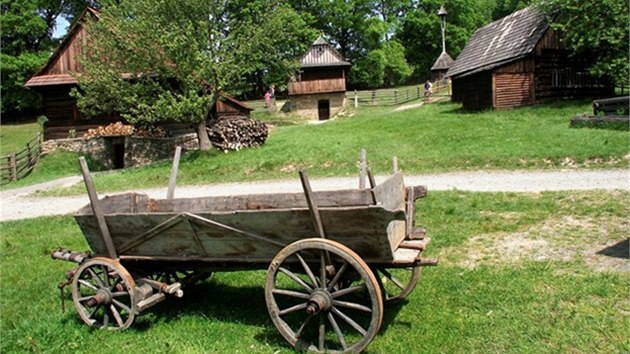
(151, 61)
(597, 28)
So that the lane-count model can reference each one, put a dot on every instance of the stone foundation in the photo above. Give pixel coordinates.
(307, 105)
(123, 151)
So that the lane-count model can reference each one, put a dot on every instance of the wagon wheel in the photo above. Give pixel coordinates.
(310, 310)
(184, 277)
(102, 293)
(397, 283)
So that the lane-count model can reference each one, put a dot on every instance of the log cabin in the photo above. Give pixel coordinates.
(520, 60)
(320, 89)
(57, 78)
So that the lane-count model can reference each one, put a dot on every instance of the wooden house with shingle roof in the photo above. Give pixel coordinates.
(57, 77)
(520, 60)
(320, 89)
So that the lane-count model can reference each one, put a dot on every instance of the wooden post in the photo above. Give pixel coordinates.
(13, 165)
(172, 180)
(312, 204)
(356, 99)
(96, 209)
(373, 96)
(395, 164)
(418, 89)
(362, 168)
(395, 96)
(29, 155)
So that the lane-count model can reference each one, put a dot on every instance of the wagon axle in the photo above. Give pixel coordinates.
(321, 300)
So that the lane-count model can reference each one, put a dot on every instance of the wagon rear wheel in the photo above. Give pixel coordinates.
(309, 306)
(397, 283)
(102, 293)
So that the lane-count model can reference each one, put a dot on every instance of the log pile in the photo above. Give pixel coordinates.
(110, 130)
(235, 133)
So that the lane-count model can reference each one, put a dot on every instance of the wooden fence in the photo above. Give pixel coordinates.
(19, 164)
(385, 97)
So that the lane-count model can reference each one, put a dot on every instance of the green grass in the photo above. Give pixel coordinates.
(534, 306)
(13, 137)
(432, 138)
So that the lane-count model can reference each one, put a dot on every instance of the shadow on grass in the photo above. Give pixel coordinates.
(213, 301)
(618, 250)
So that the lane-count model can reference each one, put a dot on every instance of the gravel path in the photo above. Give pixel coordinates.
(17, 204)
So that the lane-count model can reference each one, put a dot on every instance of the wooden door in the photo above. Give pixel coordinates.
(323, 109)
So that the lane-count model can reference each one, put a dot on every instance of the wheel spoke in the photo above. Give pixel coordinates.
(347, 291)
(299, 331)
(105, 319)
(119, 293)
(88, 284)
(322, 270)
(351, 305)
(291, 293)
(308, 270)
(117, 317)
(322, 331)
(95, 276)
(94, 310)
(335, 280)
(392, 278)
(337, 330)
(84, 298)
(105, 275)
(121, 305)
(296, 279)
(349, 321)
(297, 307)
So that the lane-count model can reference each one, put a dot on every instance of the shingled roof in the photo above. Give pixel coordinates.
(443, 62)
(321, 54)
(508, 39)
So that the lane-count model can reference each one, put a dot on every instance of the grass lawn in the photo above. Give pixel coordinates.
(518, 273)
(432, 138)
(13, 137)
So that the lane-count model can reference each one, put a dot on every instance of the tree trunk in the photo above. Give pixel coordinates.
(202, 134)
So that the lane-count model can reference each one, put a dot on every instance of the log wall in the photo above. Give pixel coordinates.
(317, 86)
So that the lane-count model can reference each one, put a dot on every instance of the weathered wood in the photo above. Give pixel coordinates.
(419, 192)
(96, 209)
(13, 166)
(395, 164)
(420, 245)
(172, 181)
(362, 168)
(391, 193)
(312, 204)
(411, 211)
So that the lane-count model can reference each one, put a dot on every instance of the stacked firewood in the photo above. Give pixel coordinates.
(235, 133)
(112, 129)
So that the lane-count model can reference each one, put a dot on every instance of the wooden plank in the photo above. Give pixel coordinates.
(96, 209)
(173, 178)
(411, 211)
(420, 245)
(391, 193)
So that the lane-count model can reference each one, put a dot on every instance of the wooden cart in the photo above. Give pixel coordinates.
(333, 258)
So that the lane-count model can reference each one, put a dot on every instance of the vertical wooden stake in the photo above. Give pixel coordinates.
(395, 164)
(356, 99)
(13, 165)
(395, 96)
(172, 180)
(96, 209)
(362, 168)
(312, 204)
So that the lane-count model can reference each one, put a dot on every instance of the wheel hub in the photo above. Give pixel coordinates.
(320, 300)
(103, 296)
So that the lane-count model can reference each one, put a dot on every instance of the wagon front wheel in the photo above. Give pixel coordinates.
(323, 298)
(103, 294)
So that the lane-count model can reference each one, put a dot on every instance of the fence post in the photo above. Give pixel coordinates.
(13, 165)
(418, 89)
(407, 93)
(373, 96)
(356, 99)
(395, 96)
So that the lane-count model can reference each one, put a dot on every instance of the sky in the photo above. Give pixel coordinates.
(61, 27)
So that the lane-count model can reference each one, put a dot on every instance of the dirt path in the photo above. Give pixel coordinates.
(17, 204)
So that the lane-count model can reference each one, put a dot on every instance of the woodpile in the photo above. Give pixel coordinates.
(235, 133)
(112, 129)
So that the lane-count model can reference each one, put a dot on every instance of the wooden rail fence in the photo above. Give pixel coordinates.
(17, 165)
